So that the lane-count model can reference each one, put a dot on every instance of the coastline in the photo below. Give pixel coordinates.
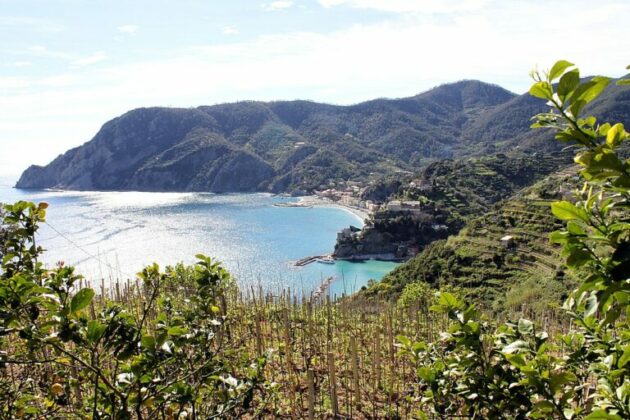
(313, 200)
(375, 257)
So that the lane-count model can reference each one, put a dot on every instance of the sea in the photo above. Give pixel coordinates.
(110, 236)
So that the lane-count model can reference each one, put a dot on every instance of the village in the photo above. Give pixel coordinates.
(350, 195)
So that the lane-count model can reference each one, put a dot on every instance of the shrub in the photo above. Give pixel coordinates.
(515, 370)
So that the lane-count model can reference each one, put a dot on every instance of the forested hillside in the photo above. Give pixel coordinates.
(280, 146)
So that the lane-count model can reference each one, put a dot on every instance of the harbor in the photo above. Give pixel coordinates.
(324, 259)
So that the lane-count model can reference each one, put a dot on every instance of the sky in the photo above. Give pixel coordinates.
(68, 66)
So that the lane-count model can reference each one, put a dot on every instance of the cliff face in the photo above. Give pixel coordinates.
(369, 243)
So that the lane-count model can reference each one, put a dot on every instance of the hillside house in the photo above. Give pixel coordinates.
(508, 242)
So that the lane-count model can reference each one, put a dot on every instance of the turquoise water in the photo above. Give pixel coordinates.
(112, 235)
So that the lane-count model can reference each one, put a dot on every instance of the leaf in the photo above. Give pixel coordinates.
(567, 83)
(525, 326)
(625, 357)
(590, 306)
(148, 342)
(558, 68)
(516, 360)
(541, 90)
(95, 331)
(544, 406)
(602, 415)
(406, 342)
(447, 299)
(615, 135)
(578, 257)
(81, 300)
(575, 229)
(558, 237)
(558, 380)
(590, 90)
(426, 373)
(515, 346)
(177, 331)
(565, 210)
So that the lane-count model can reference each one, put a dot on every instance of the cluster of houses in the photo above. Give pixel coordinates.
(350, 196)
(412, 207)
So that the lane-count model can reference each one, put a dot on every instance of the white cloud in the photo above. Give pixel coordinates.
(13, 83)
(278, 5)
(22, 64)
(41, 51)
(230, 30)
(410, 6)
(128, 29)
(62, 80)
(89, 60)
(37, 48)
(32, 23)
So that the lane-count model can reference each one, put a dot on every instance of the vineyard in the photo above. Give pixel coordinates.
(323, 359)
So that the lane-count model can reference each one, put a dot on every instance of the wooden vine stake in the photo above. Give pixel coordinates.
(377, 358)
(333, 384)
(311, 394)
(355, 371)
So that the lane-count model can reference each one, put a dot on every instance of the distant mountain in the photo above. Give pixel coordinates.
(294, 146)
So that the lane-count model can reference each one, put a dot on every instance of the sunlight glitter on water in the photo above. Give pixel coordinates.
(112, 235)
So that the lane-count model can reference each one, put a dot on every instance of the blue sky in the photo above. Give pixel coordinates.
(68, 66)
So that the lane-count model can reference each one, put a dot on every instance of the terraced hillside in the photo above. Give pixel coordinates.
(468, 187)
(448, 193)
(502, 258)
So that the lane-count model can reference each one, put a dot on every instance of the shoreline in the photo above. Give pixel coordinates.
(371, 257)
(313, 200)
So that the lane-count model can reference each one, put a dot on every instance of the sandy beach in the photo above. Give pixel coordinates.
(313, 200)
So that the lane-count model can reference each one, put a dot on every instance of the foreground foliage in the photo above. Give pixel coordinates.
(163, 355)
(516, 371)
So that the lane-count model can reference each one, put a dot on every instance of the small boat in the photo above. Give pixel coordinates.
(326, 260)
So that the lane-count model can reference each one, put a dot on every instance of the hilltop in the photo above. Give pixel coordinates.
(301, 146)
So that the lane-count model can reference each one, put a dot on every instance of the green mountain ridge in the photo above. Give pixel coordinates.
(277, 146)
(299, 146)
